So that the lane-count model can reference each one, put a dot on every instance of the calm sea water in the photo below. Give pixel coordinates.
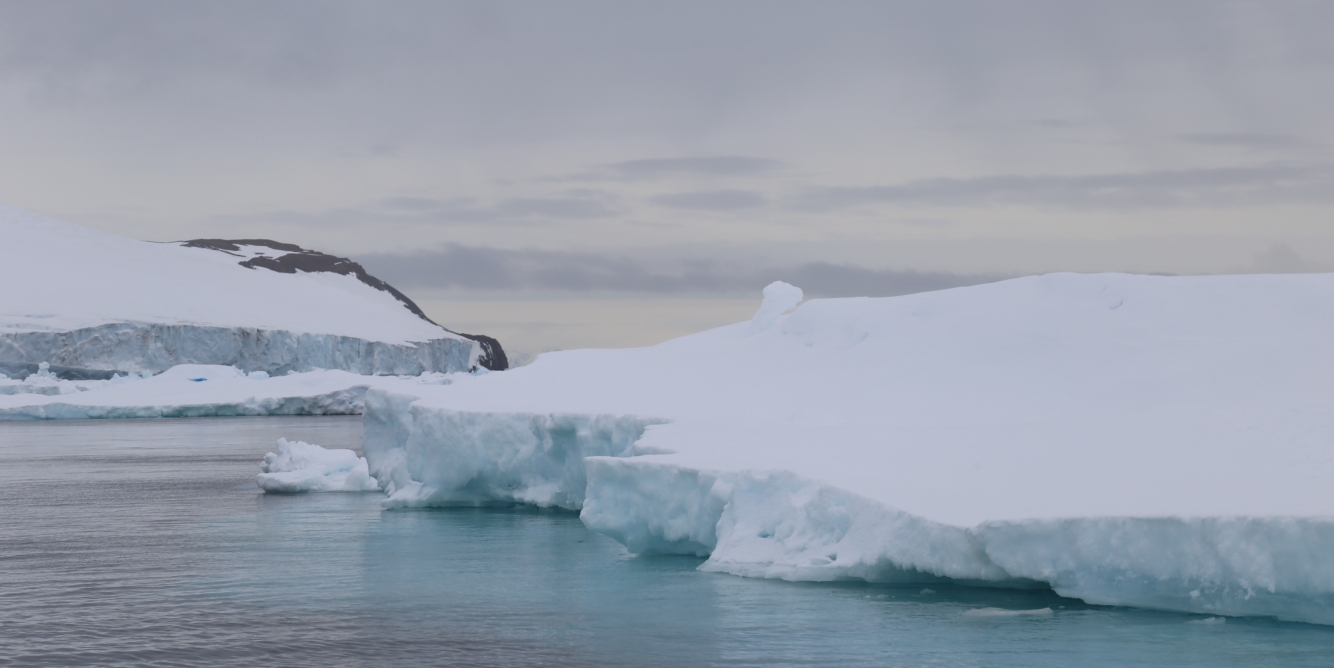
(146, 543)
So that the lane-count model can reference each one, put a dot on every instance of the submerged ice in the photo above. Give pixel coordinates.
(1143, 441)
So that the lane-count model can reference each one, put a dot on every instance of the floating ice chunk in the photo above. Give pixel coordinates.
(298, 466)
(1002, 612)
(779, 298)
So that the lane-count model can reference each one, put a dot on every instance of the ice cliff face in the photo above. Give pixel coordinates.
(136, 347)
(130, 306)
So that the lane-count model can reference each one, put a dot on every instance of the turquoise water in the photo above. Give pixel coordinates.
(146, 543)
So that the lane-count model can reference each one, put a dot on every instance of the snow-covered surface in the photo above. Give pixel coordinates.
(61, 277)
(1165, 442)
(298, 466)
(196, 390)
(86, 300)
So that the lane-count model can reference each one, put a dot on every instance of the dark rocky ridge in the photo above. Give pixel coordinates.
(296, 258)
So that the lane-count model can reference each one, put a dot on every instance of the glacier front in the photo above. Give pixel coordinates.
(1161, 442)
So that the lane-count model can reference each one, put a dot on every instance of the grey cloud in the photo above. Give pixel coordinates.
(429, 211)
(552, 207)
(1245, 140)
(475, 268)
(1281, 259)
(1193, 187)
(713, 200)
(1051, 123)
(724, 165)
(413, 204)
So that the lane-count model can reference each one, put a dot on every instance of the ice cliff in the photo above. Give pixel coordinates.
(1161, 442)
(89, 302)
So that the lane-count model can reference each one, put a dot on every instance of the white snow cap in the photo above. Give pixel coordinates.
(779, 298)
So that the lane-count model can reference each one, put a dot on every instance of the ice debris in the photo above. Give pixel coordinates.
(298, 467)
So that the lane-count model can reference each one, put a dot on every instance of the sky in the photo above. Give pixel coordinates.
(568, 174)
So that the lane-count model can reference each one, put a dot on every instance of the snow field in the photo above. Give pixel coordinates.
(111, 279)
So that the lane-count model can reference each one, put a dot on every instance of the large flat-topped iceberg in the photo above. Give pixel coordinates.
(83, 299)
(1154, 441)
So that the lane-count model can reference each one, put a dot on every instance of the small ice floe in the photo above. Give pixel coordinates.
(302, 467)
(1209, 620)
(1002, 612)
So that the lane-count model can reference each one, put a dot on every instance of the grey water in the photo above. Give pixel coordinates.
(146, 543)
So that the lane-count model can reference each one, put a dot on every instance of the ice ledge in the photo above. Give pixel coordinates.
(776, 524)
(432, 457)
(137, 347)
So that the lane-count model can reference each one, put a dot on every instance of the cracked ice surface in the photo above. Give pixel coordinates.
(1149, 441)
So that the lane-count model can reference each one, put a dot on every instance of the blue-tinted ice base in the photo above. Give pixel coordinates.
(148, 543)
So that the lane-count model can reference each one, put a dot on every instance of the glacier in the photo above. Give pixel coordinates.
(1147, 441)
(120, 305)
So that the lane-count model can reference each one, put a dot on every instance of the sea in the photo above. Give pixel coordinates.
(147, 543)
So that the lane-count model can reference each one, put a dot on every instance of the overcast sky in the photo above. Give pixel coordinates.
(569, 149)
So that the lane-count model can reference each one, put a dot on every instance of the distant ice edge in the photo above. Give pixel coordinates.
(776, 524)
(138, 347)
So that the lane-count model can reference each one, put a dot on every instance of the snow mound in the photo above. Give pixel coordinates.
(298, 467)
(1160, 442)
(779, 298)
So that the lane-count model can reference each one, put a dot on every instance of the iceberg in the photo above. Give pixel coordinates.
(1159, 442)
(128, 306)
(299, 467)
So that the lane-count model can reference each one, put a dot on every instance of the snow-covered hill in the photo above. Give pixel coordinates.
(1164, 442)
(82, 299)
